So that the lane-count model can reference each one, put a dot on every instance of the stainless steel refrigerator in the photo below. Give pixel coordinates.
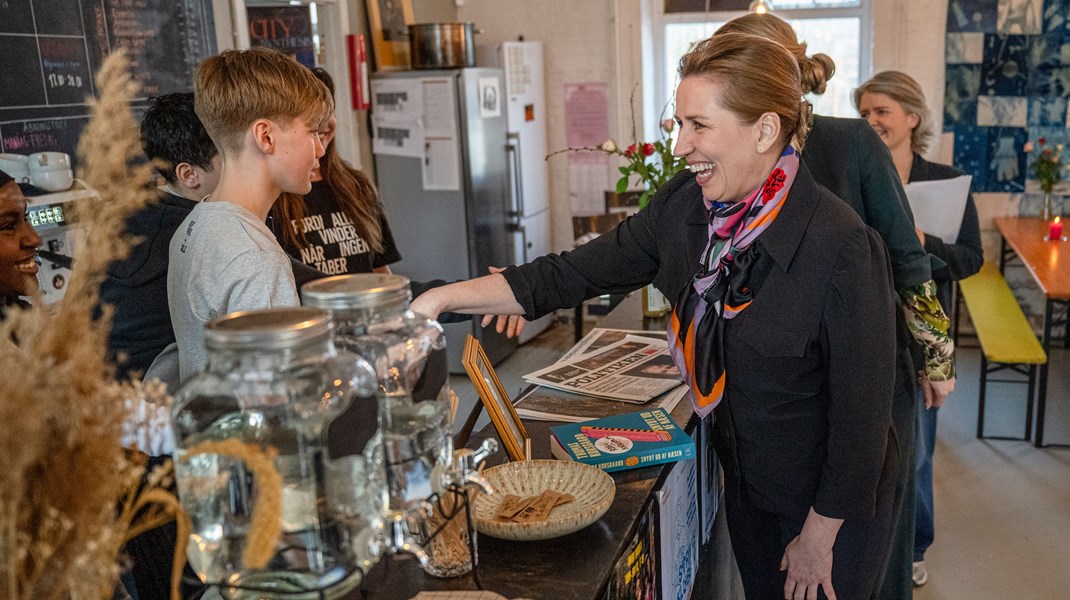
(525, 103)
(441, 163)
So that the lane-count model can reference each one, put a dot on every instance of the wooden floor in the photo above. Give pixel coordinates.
(1002, 507)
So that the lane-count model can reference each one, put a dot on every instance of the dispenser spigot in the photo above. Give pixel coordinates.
(398, 539)
(466, 465)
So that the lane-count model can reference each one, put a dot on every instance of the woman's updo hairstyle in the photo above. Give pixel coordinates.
(758, 76)
(815, 71)
(908, 93)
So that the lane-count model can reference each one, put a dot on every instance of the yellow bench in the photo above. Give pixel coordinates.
(1006, 337)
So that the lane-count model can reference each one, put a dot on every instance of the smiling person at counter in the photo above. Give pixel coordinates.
(783, 322)
(18, 246)
(894, 105)
(848, 158)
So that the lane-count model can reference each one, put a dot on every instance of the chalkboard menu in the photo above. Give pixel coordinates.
(50, 49)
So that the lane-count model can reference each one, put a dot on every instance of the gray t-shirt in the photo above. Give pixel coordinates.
(222, 259)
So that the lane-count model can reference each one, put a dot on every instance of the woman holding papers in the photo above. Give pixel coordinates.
(894, 105)
(783, 321)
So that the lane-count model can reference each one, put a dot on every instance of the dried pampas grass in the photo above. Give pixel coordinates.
(68, 490)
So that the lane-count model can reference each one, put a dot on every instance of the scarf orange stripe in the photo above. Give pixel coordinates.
(701, 400)
(715, 394)
(769, 216)
(738, 308)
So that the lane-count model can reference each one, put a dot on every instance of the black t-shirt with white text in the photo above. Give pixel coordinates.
(335, 247)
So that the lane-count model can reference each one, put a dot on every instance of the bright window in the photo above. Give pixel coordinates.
(839, 28)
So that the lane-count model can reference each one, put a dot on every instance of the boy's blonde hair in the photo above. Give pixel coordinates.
(236, 87)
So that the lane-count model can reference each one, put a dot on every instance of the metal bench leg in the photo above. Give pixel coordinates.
(1066, 331)
(1042, 392)
(981, 397)
(1029, 403)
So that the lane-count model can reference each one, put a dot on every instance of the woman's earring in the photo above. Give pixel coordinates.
(761, 149)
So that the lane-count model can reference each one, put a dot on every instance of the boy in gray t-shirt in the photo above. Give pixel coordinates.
(264, 112)
(222, 260)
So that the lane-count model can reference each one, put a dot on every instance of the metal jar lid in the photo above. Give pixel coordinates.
(267, 329)
(364, 290)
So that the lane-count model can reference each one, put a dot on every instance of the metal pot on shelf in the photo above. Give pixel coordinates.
(442, 45)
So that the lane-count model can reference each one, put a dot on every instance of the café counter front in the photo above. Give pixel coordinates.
(673, 505)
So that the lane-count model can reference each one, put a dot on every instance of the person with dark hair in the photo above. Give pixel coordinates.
(782, 322)
(894, 104)
(136, 287)
(174, 139)
(339, 227)
(18, 246)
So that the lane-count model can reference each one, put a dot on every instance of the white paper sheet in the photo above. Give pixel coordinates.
(397, 99)
(398, 139)
(678, 526)
(440, 111)
(938, 206)
(490, 94)
(441, 167)
(398, 107)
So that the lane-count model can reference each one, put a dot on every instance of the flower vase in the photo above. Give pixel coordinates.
(1047, 210)
(655, 304)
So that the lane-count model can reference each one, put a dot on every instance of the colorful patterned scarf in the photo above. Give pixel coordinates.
(719, 290)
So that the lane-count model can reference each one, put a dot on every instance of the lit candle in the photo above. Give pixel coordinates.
(1055, 230)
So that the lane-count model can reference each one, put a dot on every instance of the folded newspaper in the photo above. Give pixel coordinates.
(634, 369)
(544, 404)
(600, 337)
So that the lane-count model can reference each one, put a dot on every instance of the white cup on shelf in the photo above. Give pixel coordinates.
(16, 165)
(55, 180)
(49, 161)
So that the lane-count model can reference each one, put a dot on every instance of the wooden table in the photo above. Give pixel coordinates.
(1049, 264)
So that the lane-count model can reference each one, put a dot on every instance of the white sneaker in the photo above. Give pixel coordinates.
(919, 574)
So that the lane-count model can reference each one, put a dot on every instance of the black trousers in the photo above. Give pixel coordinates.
(895, 582)
(759, 538)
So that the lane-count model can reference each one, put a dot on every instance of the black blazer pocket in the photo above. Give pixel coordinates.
(772, 340)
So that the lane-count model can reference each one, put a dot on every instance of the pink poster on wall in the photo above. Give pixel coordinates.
(587, 126)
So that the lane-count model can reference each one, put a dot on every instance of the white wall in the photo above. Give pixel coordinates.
(578, 44)
(908, 36)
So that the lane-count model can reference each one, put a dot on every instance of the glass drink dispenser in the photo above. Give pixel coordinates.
(372, 318)
(271, 499)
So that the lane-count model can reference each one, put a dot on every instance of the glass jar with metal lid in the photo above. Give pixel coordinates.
(252, 461)
(372, 318)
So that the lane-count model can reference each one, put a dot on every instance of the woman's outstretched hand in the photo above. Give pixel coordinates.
(488, 295)
(510, 325)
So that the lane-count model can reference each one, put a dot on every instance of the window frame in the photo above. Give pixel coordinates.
(662, 96)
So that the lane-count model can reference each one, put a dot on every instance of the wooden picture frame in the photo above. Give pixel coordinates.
(496, 400)
(389, 21)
